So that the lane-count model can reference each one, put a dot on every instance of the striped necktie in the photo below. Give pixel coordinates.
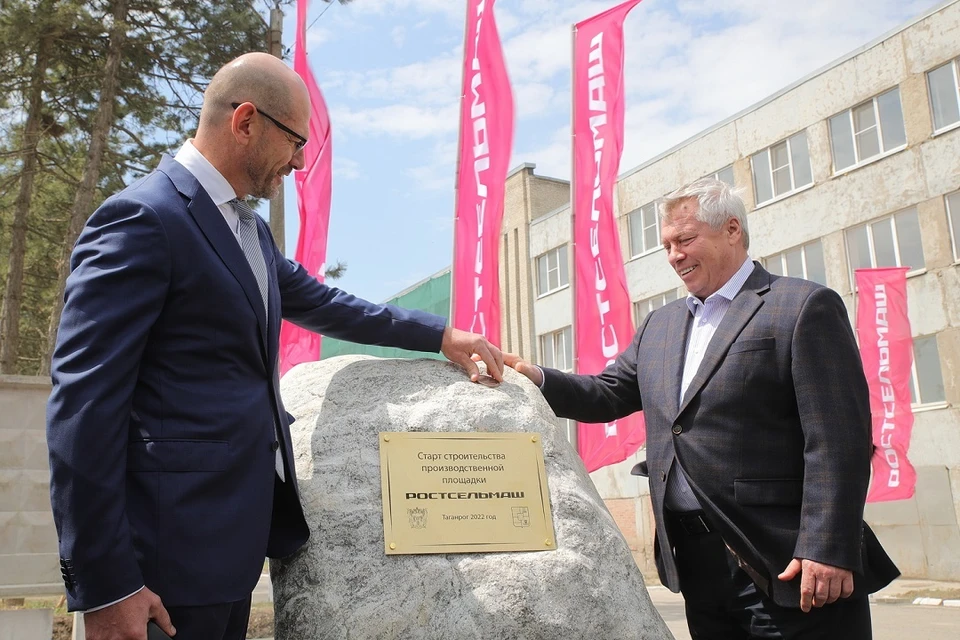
(250, 243)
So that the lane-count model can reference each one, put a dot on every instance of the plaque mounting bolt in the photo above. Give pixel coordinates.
(393, 546)
(533, 438)
(549, 543)
(386, 438)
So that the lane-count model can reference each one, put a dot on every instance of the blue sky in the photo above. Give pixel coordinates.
(390, 71)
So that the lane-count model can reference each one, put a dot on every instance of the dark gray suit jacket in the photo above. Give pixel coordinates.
(773, 432)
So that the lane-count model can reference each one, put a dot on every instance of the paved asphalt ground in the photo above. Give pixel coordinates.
(894, 619)
(890, 621)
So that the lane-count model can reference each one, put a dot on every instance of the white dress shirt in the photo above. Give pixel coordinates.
(707, 315)
(212, 182)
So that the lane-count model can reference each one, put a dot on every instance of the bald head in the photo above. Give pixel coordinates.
(260, 141)
(258, 78)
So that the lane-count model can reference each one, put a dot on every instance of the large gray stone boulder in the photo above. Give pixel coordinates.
(342, 585)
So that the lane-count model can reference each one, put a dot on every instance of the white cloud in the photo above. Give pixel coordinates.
(433, 81)
(345, 168)
(318, 36)
(438, 173)
(447, 8)
(399, 35)
(689, 65)
(400, 120)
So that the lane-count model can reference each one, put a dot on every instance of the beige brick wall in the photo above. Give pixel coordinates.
(29, 561)
(527, 197)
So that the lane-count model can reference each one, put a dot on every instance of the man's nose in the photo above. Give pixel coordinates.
(297, 161)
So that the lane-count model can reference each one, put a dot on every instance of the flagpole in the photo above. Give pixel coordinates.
(456, 180)
(573, 194)
(573, 218)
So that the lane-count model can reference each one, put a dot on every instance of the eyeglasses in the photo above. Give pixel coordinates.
(301, 141)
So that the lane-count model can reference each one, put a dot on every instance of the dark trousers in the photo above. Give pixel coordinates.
(723, 603)
(212, 622)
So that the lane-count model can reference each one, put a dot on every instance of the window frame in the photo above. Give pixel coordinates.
(563, 276)
(915, 375)
(955, 66)
(950, 222)
(716, 175)
(782, 255)
(645, 251)
(775, 197)
(662, 297)
(567, 333)
(858, 161)
(870, 243)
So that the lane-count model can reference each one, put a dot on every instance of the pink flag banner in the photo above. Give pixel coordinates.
(313, 185)
(486, 138)
(602, 312)
(886, 350)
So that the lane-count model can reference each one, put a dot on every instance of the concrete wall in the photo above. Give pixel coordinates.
(29, 562)
(922, 534)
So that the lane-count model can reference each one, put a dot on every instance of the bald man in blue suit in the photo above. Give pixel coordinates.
(171, 463)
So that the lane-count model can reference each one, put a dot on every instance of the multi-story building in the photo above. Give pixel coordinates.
(856, 165)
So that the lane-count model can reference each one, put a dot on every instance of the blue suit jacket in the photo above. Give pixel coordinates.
(165, 396)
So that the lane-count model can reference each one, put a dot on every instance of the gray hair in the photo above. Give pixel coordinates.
(718, 203)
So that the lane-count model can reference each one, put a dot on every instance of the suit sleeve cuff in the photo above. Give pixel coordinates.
(110, 604)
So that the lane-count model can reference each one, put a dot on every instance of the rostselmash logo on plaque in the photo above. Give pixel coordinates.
(464, 493)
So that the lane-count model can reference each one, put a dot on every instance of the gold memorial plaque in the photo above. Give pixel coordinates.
(464, 493)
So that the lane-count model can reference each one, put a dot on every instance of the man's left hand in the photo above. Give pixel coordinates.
(820, 583)
(460, 347)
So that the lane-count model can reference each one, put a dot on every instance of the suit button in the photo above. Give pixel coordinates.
(275, 445)
(677, 429)
(663, 476)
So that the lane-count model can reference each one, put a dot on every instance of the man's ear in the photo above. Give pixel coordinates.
(734, 230)
(241, 123)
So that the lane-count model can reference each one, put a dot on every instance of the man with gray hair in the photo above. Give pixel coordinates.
(758, 435)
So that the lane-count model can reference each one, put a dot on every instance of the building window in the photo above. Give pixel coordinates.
(642, 308)
(926, 378)
(552, 272)
(867, 130)
(891, 241)
(556, 349)
(782, 168)
(945, 95)
(644, 230)
(724, 175)
(800, 262)
(953, 217)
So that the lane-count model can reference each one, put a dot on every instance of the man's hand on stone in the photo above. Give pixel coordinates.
(520, 365)
(127, 619)
(460, 347)
(821, 583)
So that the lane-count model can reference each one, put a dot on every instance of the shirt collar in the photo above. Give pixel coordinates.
(206, 174)
(729, 290)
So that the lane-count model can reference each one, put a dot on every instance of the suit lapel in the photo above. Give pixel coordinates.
(218, 234)
(675, 348)
(744, 305)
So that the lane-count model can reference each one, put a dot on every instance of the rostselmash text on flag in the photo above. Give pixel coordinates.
(314, 183)
(886, 350)
(486, 138)
(602, 306)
